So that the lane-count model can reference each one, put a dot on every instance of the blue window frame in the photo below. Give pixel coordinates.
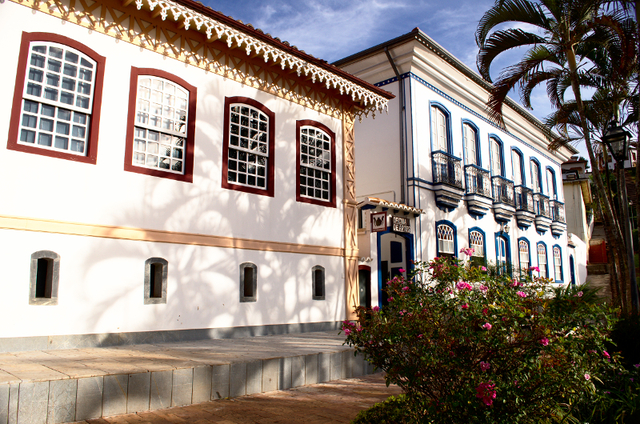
(471, 144)
(543, 263)
(517, 167)
(503, 252)
(557, 264)
(524, 256)
(552, 189)
(440, 128)
(496, 152)
(477, 241)
(536, 176)
(447, 243)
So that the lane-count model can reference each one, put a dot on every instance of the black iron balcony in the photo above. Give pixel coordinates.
(477, 181)
(525, 208)
(558, 224)
(447, 179)
(447, 169)
(524, 199)
(542, 211)
(477, 190)
(541, 203)
(502, 190)
(503, 201)
(557, 211)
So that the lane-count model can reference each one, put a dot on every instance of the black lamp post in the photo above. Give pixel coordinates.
(617, 139)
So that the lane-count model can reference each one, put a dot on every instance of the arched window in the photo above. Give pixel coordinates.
(523, 256)
(535, 177)
(496, 157)
(248, 157)
(446, 240)
(471, 153)
(160, 137)
(557, 263)
(542, 260)
(316, 164)
(60, 86)
(476, 242)
(516, 166)
(551, 184)
(439, 129)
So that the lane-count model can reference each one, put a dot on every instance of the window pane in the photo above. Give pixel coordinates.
(61, 64)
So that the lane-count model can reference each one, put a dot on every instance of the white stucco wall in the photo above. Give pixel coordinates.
(101, 279)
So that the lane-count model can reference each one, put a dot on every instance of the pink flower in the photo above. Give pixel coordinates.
(521, 294)
(486, 392)
(606, 354)
(579, 294)
(390, 299)
(483, 288)
(405, 288)
(534, 268)
(487, 326)
(467, 251)
(484, 365)
(464, 285)
(544, 341)
(587, 377)
(375, 308)
(419, 336)
(483, 268)
(347, 331)
(402, 270)
(465, 306)
(516, 283)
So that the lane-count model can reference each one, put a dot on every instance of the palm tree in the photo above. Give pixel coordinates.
(560, 50)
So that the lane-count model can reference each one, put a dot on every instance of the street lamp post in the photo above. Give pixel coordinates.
(617, 139)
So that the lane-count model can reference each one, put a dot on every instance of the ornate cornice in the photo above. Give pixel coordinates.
(370, 101)
(209, 40)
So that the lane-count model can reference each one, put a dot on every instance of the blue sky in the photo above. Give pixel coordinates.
(333, 29)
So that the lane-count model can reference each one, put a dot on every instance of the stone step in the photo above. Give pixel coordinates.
(61, 400)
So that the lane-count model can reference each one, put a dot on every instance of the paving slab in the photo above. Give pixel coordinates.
(333, 402)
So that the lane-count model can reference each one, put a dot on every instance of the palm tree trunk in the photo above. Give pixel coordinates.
(608, 217)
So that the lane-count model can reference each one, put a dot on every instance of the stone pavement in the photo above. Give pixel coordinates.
(332, 402)
(60, 386)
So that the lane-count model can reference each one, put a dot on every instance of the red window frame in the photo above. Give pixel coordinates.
(16, 108)
(270, 190)
(191, 126)
(332, 183)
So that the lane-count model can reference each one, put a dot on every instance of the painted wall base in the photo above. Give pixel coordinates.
(75, 341)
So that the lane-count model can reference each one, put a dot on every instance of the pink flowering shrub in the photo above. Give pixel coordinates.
(470, 346)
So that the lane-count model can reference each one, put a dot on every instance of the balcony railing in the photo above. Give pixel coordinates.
(447, 169)
(477, 181)
(541, 203)
(557, 211)
(524, 199)
(502, 190)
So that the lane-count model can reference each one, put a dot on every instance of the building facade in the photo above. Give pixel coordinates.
(458, 179)
(170, 173)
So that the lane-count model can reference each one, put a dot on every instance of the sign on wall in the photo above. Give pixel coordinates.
(378, 222)
(401, 225)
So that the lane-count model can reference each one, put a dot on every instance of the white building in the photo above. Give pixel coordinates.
(446, 176)
(170, 173)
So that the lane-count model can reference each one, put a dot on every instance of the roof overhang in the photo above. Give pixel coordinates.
(197, 17)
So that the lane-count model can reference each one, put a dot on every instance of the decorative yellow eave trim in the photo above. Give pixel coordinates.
(373, 102)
